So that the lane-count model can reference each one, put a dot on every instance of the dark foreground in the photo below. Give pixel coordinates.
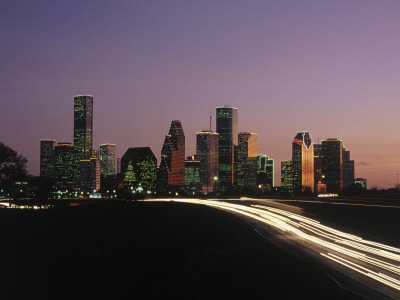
(121, 249)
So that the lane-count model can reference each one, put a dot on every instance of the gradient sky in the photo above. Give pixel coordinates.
(329, 67)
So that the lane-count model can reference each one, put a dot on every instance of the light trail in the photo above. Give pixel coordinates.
(376, 261)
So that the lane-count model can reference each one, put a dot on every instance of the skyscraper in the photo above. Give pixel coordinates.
(348, 169)
(246, 171)
(89, 175)
(139, 169)
(319, 187)
(172, 165)
(303, 163)
(227, 128)
(265, 172)
(332, 165)
(107, 160)
(64, 167)
(47, 158)
(287, 176)
(207, 154)
(83, 126)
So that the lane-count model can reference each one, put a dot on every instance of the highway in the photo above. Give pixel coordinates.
(375, 266)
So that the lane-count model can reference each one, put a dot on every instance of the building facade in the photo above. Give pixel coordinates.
(65, 167)
(207, 154)
(107, 160)
(172, 166)
(139, 169)
(332, 165)
(83, 126)
(265, 172)
(348, 169)
(246, 167)
(47, 158)
(89, 175)
(227, 128)
(287, 176)
(303, 163)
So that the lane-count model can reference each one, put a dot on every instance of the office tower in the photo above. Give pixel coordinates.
(172, 166)
(139, 169)
(303, 163)
(64, 167)
(227, 128)
(265, 172)
(287, 176)
(246, 171)
(348, 169)
(207, 154)
(89, 175)
(332, 165)
(47, 158)
(83, 126)
(192, 170)
(319, 186)
(107, 160)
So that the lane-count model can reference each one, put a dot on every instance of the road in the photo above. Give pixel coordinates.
(366, 267)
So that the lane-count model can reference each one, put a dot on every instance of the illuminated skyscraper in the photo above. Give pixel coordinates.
(227, 128)
(64, 167)
(348, 169)
(139, 169)
(265, 172)
(319, 187)
(287, 176)
(332, 165)
(107, 160)
(303, 163)
(83, 126)
(47, 158)
(246, 162)
(89, 175)
(172, 165)
(207, 154)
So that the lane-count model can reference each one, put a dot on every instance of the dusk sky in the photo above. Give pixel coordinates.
(328, 67)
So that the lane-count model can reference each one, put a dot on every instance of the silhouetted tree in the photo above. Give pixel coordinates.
(12, 165)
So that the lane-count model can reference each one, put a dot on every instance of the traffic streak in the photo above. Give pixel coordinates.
(376, 261)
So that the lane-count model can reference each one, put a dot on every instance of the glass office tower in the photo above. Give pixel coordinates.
(83, 126)
(303, 163)
(207, 154)
(246, 167)
(65, 167)
(265, 172)
(47, 158)
(227, 128)
(107, 160)
(287, 176)
(332, 165)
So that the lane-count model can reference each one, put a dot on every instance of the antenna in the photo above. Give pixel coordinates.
(210, 119)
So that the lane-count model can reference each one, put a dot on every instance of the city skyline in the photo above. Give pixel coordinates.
(262, 59)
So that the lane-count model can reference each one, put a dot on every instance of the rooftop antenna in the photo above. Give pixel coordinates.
(210, 119)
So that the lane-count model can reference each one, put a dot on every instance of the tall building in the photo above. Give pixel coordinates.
(348, 169)
(227, 128)
(64, 167)
(246, 171)
(303, 163)
(192, 175)
(89, 175)
(83, 126)
(47, 158)
(139, 169)
(319, 186)
(172, 165)
(287, 176)
(107, 160)
(332, 165)
(207, 154)
(265, 172)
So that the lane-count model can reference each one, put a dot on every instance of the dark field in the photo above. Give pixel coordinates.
(123, 249)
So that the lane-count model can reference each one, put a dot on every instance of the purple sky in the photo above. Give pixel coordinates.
(329, 67)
